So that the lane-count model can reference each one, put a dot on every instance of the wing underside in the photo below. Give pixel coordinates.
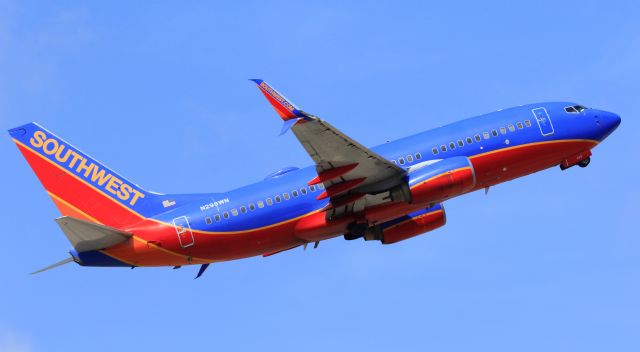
(353, 175)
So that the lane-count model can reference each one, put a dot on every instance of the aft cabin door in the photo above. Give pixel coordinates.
(544, 122)
(183, 229)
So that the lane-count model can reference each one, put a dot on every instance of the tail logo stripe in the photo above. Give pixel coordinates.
(85, 167)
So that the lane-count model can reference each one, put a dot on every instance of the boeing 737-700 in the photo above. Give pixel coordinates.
(387, 193)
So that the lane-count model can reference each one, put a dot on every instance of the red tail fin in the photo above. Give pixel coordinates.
(79, 185)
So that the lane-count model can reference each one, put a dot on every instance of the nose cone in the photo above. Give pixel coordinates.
(608, 122)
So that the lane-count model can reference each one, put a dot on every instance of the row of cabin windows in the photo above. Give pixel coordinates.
(261, 204)
(485, 135)
(409, 159)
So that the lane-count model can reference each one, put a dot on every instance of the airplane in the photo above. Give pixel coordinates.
(388, 193)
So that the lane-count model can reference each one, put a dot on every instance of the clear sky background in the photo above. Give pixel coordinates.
(159, 92)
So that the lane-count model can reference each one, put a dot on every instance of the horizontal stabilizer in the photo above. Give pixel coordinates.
(60, 263)
(88, 236)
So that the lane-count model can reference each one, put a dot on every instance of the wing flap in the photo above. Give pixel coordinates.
(331, 174)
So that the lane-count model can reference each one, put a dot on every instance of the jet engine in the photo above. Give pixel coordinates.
(408, 226)
(442, 180)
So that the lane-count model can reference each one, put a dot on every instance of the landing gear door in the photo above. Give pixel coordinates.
(183, 229)
(544, 122)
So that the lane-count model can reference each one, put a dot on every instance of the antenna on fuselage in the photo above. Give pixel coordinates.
(203, 267)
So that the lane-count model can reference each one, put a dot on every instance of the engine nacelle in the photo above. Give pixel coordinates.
(408, 226)
(442, 180)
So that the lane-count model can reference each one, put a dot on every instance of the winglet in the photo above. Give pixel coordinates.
(288, 124)
(286, 109)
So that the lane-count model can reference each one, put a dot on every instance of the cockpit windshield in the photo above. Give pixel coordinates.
(575, 109)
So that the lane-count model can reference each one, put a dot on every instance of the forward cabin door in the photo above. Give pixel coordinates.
(183, 229)
(544, 121)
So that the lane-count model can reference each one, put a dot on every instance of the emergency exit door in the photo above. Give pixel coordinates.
(544, 121)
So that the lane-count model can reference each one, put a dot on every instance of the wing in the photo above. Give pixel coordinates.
(348, 170)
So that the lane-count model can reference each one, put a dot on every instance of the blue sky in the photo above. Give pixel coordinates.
(159, 92)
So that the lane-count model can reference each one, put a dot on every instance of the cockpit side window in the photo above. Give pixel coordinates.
(570, 109)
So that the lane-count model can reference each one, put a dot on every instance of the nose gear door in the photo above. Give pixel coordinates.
(183, 229)
(544, 122)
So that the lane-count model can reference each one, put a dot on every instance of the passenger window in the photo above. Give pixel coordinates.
(460, 143)
(303, 191)
(217, 217)
(434, 151)
(409, 158)
(278, 199)
(519, 125)
(225, 215)
(443, 148)
(401, 161)
(208, 220)
(477, 137)
(294, 193)
(320, 185)
(511, 128)
(312, 188)
(260, 204)
(243, 209)
(503, 130)
(252, 207)
(269, 201)
(485, 135)
(469, 140)
(452, 146)
(286, 196)
(234, 212)
(527, 123)
(494, 133)
(419, 156)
